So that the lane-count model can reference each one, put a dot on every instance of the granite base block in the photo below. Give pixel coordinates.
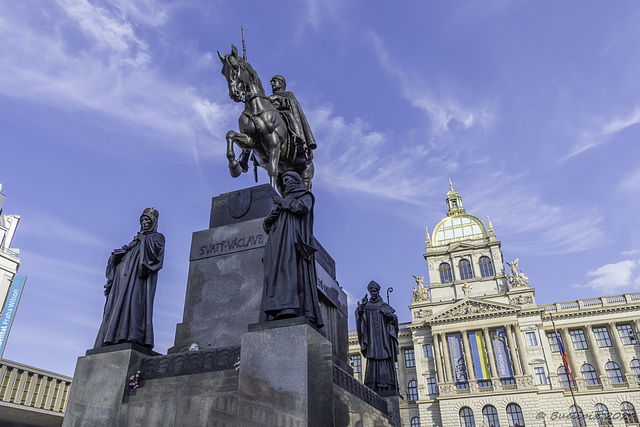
(393, 409)
(285, 378)
(100, 383)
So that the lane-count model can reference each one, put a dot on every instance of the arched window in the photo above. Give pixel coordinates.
(466, 417)
(465, 269)
(490, 415)
(577, 417)
(486, 268)
(412, 389)
(445, 273)
(589, 374)
(628, 413)
(602, 415)
(415, 422)
(514, 415)
(635, 367)
(614, 373)
(563, 376)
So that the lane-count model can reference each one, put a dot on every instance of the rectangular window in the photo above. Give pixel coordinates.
(553, 342)
(427, 350)
(508, 381)
(578, 339)
(532, 341)
(626, 334)
(356, 364)
(541, 376)
(602, 336)
(432, 386)
(409, 358)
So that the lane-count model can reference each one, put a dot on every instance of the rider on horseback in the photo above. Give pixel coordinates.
(301, 138)
(290, 109)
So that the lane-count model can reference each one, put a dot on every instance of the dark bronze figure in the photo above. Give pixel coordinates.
(263, 130)
(132, 275)
(377, 328)
(288, 106)
(289, 261)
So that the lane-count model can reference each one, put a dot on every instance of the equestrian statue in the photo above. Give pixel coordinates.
(273, 127)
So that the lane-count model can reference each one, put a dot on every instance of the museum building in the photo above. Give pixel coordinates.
(28, 396)
(479, 351)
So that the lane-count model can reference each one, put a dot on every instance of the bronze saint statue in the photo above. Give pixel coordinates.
(289, 262)
(377, 328)
(263, 130)
(132, 275)
(287, 104)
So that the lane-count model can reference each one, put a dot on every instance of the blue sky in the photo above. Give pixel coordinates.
(532, 109)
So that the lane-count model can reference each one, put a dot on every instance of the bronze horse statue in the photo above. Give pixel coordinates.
(262, 128)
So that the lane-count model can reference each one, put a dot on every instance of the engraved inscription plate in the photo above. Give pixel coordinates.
(227, 239)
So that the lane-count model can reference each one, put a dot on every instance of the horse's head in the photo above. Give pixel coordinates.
(241, 77)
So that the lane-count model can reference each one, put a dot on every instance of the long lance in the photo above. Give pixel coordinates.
(244, 46)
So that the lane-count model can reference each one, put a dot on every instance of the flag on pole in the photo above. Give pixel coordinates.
(565, 359)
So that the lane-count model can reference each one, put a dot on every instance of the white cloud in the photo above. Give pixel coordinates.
(90, 58)
(45, 226)
(447, 114)
(631, 182)
(612, 278)
(357, 159)
(604, 131)
(535, 225)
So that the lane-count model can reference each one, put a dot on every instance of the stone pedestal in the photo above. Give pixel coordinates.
(100, 382)
(285, 376)
(393, 409)
(226, 278)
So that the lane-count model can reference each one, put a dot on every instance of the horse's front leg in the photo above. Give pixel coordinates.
(244, 142)
(274, 158)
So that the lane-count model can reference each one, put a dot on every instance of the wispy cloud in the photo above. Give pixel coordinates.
(81, 56)
(536, 225)
(46, 226)
(631, 183)
(615, 277)
(448, 115)
(356, 158)
(605, 129)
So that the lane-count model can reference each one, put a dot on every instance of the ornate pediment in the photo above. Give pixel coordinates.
(462, 245)
(470, 308)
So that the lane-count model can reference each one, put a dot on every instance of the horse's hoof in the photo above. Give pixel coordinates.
(235, 169)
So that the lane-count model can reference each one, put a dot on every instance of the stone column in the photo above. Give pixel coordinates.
(523, 359)
(438, 358)
(593, 344)
(571, 354)
(488, 345)
(447, 358)
(515, 359)
(619, 347)
(468, 358)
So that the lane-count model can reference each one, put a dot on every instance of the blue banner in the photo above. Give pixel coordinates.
(6, 318)
(457, 358)
(501, 351)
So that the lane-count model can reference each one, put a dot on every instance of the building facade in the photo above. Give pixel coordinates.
(9, 258)
(28, 396)
(479, 351)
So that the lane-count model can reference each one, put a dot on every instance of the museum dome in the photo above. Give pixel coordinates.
(458, 225)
